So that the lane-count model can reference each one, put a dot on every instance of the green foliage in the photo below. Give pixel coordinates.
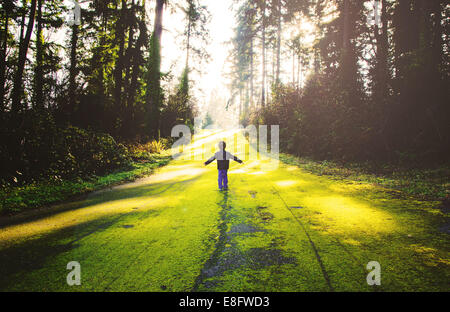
(183, 88)
(179, 109)
(196, 34)
(378, 92)
(78, 152)
(57, 163)
(42, 193)
(208, 121)
(53, 152)
(142, 152)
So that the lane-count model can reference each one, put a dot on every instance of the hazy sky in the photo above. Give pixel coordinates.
(221, 31)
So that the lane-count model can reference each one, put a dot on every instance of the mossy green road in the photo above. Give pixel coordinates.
(276, 229)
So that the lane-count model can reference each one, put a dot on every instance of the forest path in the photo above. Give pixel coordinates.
(275, 229)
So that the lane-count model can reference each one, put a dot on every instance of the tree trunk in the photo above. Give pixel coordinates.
(23, 50)
(118, 71)
(293, 67)
(3, 48)
(277, 80)
(318, 11)
(129, 57)
(188, 45)
(251, 74)
(155, 74)
(159, 20)
(382, 71)
(136, 63)
(240, 103)
(39, 74)
(274, 65)
(247, 99)
(70, 108)
(263, 89)
(345, 38)
(437, 34)
(22, 22)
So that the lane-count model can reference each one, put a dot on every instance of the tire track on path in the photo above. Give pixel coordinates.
(313, 246)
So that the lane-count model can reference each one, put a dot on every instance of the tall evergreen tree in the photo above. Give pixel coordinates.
(24, 43)
(154, 96)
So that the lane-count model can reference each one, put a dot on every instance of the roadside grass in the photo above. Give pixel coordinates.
(41, 193)
(425, 184)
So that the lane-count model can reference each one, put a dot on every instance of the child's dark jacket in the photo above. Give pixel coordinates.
(223, 159)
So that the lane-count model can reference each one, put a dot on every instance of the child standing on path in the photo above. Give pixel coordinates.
(223, 163)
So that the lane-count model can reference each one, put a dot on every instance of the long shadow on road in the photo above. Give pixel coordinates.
(53, 241)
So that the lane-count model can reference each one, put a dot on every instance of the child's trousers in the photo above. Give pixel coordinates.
(223, 179)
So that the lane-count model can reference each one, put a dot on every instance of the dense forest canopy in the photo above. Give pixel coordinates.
(345, 79)
(101, 74)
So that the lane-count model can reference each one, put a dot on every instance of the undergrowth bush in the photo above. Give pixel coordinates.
(79, 152)
(141, 151)
(52, 153)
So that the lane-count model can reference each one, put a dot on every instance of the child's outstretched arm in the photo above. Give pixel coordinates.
(237, 159)
(210, 160)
